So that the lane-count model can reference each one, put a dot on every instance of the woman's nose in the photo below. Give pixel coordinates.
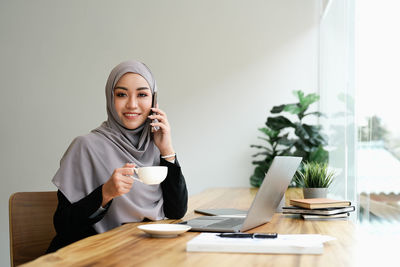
(132, 103)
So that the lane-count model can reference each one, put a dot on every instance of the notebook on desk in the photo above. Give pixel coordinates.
(283, 244)
(264, 205)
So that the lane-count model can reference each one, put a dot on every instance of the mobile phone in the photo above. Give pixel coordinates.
(153, 105)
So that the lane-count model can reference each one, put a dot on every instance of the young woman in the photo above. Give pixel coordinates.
(95, 190)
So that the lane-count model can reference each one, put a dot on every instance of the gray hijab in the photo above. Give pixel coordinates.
(91, 159)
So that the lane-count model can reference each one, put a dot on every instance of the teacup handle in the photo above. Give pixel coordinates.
(137, 172)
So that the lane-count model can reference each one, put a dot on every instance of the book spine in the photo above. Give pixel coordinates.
(319, 212)
(301, 205)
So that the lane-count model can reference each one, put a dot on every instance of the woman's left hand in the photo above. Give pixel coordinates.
(162, 137)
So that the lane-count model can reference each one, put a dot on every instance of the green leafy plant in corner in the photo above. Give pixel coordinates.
(285, 137)
(314, 175)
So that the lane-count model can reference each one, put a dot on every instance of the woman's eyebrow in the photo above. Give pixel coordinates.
(124, 88)
(143, 88)
(120, 87)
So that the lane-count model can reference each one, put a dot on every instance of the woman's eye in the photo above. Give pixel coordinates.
(120, 94)
(142, 95)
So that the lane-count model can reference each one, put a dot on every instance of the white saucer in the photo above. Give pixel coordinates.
(164, 230)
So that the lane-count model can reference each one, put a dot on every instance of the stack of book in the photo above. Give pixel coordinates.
(320, 208)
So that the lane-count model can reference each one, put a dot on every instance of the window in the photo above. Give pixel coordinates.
(336, 83)
(377, 55)
(358, 88)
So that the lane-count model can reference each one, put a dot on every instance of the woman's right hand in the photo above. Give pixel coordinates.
(119, 183)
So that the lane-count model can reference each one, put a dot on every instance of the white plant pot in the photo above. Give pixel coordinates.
(315, 192)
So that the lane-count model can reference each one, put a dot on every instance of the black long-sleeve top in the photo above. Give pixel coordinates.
(74, 221)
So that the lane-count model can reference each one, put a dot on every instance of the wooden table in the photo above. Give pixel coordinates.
(128, 246)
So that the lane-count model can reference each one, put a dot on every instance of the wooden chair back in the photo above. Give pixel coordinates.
(31, 224)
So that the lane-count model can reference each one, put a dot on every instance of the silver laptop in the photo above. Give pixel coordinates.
(264, 204)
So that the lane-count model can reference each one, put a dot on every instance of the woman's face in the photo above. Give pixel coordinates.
(132, 100)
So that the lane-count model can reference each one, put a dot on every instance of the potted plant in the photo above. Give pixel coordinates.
(315, 178)
(285, 137)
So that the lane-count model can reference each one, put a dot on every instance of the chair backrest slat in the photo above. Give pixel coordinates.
(31, 224)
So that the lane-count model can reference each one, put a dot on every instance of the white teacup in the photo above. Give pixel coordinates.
(151, 175)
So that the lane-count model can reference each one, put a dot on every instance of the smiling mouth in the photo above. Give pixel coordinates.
(131, 115)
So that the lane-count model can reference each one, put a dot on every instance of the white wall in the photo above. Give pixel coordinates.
(220, 66)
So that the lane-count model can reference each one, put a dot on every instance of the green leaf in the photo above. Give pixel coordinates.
(312, 129)
(320, 139)
(278, 123)
(256, 181)
(303, 145)
(261, 147)
(293, 108)
(258, 162)
(262, 169)
(262, 153)
(285, 152)
(263, 138)
(284, 140)
(314, 175)
(300, 153)
(319, 155)
(301, 131)
(278, 109)
(310, 134)
(299, 94)
(299, 179)
(269, 132)
(305, 101)
(316, 113)
(259, 172)
(308, 100)
(313, 134)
